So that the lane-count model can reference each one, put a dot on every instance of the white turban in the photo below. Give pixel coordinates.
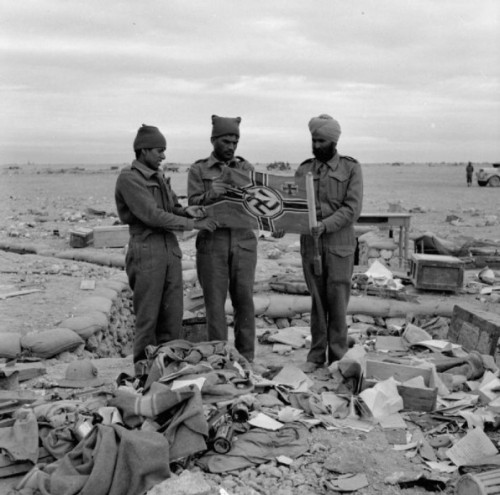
(325, 127)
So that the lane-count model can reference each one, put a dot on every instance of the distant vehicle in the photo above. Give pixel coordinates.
(278, 166)
(171, 167)
(489, 176)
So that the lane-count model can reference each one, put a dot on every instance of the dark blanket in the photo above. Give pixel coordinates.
(111, 460)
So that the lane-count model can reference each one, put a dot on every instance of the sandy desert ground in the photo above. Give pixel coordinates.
(37, 200)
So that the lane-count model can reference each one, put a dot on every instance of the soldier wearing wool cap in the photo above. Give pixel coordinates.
(225, 258)
(146, 203)
(338, 192)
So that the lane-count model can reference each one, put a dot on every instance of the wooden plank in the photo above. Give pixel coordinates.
(26, 371)
(418, 399)
(379, 370)
(113, 236)
(19, 293)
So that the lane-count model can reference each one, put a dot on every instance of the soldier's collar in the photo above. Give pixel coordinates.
(333, 163)
(145, 170)
(212, 160)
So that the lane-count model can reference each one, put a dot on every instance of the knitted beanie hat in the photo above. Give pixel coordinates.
(221, 126)
(325, 127)
(149, 137)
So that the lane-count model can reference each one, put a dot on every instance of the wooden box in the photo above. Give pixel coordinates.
(436, 272)
(414, 398)
(113, 236)
(80, 237)
(474, 330)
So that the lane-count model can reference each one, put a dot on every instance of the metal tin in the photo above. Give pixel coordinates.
(239, 413)
(222, 441)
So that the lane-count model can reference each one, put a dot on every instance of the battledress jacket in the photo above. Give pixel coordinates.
(145, 205)
(339, 198)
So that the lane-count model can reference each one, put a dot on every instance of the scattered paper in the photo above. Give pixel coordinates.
(438, 345)
(389, 343)
(261, 420)
(383, 398)
(413, 334)
(283, 459)
(293, 336)
(349, 483)
(334, 401)
(392, 421)
(289, 414)
(294, 377)
(87, 284)
(472, 447)
(490, 390)
(406, 446)
(110, 415)
(379, 273)
(442, 466)
(416, 382)
(352, 424)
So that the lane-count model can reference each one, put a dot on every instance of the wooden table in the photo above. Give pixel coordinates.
(392, 220)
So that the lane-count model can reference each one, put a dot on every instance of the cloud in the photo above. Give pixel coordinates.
(403, 77)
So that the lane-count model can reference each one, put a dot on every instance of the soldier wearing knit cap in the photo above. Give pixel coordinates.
(339, 195)
(146, 203)
(226, 258)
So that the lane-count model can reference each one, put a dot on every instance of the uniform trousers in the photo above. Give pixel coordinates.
(330, 293)
(154, 270)
(226, 261)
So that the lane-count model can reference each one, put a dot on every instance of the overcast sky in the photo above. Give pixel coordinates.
(408, 80)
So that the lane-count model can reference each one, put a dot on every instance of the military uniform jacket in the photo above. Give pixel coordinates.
(145, 201)
(339, 197)
(201, 174)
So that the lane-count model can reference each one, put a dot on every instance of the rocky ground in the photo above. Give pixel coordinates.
(41, 206)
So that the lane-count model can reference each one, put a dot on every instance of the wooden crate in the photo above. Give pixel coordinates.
(113, 236)
(474, 330)
(414, 398)
(80, 237)
(436, 272)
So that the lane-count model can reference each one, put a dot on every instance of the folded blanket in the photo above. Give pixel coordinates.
(111, 460)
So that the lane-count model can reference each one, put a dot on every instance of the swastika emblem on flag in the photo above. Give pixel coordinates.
(262, 201)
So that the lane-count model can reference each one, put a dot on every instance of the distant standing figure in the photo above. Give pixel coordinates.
(225, 258)
(469, 170)
(147, 204)
(338, 186)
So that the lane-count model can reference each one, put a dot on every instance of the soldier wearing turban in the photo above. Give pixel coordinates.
(339, 193)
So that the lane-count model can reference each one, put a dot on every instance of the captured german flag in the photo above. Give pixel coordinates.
(262, 201)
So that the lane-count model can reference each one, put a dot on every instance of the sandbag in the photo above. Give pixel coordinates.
(188, 264)
(106, 292)
(120, 277)
(10, 345)
(117, 285)
(93, 303)
(49, 343)
(189, 276)
(86, 325)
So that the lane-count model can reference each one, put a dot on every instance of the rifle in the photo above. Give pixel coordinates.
(311, 206)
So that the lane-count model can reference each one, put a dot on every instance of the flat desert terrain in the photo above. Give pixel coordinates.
(40, 205)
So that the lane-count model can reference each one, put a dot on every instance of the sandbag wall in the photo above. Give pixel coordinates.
(100, 325)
